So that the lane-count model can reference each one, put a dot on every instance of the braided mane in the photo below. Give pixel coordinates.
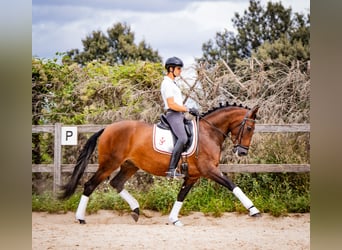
(223, 106)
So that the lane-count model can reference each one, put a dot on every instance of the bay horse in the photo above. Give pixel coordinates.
(128, 145)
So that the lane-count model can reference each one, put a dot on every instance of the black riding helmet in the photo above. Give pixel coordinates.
(173, 62)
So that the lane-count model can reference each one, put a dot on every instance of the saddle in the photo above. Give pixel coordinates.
(164, 139)
(164, 124)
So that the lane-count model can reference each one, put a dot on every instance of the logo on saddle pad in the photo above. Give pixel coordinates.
(163, 140)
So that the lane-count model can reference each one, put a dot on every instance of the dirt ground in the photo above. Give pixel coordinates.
(111, 230)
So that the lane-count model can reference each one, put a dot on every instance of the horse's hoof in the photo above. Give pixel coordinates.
(135, 214)
(82, 221)
(257, 215)
(178, 223)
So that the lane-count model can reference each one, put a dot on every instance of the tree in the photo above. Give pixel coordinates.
(220, 49)
(256, 27)
(117, 47)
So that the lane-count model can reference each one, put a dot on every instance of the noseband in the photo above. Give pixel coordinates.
(237, 140)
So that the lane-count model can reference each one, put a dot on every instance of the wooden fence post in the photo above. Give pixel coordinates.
(57, 170)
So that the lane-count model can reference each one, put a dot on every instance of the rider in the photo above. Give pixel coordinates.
(173, 104)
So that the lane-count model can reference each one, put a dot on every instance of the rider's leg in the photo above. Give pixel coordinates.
(176, 154)
(176, 121)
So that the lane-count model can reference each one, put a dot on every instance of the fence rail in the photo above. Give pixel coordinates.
(226, 168)
(57, 168)
(261, 128)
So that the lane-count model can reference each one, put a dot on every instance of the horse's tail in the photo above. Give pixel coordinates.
(81, 165)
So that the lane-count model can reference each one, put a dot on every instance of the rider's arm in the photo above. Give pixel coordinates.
(174, 106)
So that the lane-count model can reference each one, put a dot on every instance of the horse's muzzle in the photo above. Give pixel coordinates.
(240, 150)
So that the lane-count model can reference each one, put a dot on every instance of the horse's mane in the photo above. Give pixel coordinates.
(227, 104)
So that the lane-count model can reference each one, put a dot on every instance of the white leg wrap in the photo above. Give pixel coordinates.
(173, 217)
(133, 203)
(81, 209)
(247, 203)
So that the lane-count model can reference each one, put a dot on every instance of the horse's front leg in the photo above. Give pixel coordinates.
(216, 175)
(173, 217)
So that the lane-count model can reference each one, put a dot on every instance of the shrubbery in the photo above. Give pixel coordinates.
(271, 193)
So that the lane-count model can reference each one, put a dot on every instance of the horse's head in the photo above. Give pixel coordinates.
(242, 133)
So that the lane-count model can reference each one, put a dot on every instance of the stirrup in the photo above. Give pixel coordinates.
(174, 174)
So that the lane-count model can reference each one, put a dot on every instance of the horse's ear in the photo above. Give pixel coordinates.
(254, 111)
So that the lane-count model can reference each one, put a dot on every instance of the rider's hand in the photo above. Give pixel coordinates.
(193, 111)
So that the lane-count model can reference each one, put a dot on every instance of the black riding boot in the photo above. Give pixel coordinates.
(176, 154)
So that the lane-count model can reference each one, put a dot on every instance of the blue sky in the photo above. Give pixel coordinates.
(174, 28)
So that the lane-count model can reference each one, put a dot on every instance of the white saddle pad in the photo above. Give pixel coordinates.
(163, 140)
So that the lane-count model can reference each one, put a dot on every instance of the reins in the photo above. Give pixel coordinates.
(214, 127)
(240, 133)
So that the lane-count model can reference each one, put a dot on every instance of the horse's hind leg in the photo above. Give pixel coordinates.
(89, 187)
(126, 171)
(186, 187)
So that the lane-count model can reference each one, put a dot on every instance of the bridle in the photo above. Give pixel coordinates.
(237, 140)
(240, 134)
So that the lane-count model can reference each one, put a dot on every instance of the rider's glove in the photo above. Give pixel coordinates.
(193, 111)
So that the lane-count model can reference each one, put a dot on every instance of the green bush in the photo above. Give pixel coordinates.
(270, 193)
(161, 196)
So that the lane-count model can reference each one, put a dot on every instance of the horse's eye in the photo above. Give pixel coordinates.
(249, 128)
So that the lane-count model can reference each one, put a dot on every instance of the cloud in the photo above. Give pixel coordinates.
(183, 32)
(131, 5)
(120, 5)
(172, 27)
